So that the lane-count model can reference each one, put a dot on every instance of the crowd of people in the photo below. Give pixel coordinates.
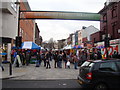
(23, 57)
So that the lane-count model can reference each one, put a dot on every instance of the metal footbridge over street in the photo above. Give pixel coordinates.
(60, 15)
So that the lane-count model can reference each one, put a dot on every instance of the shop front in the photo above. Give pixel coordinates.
(113, 49)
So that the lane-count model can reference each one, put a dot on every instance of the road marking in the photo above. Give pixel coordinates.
(64, 84)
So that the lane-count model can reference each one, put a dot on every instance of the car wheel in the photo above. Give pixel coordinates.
(101, 86)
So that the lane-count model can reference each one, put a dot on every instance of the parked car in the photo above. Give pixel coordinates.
(100, 74)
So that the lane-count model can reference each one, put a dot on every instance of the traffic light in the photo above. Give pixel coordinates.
(18, 41)
(107, 43)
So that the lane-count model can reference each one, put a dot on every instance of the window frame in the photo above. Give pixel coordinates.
(115, 70)
(118, 67)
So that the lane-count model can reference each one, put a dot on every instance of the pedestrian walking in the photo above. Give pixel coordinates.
(64, 58)
(60, 58)
(47, 56)
(99, 54)
(27, 57)
(68, 64)
(75, 59)
(1, 66)
(43, 58)
(12, 55)
(17, 61)
(38, 63)
(23, 57)
(83, 57)
(1, 63)
(55, 55)
(50, 55)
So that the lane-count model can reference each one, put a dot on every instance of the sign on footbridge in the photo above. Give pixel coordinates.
(60, 15)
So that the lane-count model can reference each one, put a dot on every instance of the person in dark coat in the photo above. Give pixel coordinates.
(47, 56)
(1, 63)
(28, 56)
(99, 54)
(50, 55)
(83, 57)
(55, 59)
(43, 58)
(60, 58)
(38, 59)
(23, 56)
(75, 59)
(65, 58)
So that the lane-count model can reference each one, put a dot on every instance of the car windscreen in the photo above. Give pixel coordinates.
(87, 64)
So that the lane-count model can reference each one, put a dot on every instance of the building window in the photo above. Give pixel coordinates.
(104, 30)
(114, 13)
(114, 30)
(20, 33)
(94, 40)
(13, 5)
(104, 18)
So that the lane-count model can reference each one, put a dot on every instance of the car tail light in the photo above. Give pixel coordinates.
(89, 76)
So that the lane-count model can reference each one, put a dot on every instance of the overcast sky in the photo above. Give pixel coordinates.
(60, 29)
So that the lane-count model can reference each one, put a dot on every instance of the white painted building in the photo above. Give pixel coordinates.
(9, 19)
(88, 31)
(73, 39)
(8, 24)
(79, 37)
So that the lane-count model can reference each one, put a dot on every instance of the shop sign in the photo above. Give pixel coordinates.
(116, 41)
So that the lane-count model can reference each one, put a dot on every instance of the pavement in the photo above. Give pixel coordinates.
(39, 73)
(16, 71)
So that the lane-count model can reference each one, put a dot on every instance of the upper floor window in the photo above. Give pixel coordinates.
(114, 11)
(13, 5)
(94, 40)
(104, 18)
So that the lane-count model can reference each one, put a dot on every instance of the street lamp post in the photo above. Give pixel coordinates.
(18, 4)
(10, 65)
(106, 40)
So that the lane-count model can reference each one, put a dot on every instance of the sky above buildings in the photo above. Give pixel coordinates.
(60, 29)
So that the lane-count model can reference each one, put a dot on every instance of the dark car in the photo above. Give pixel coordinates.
(100, 74)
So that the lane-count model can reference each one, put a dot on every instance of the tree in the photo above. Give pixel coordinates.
(51, 43)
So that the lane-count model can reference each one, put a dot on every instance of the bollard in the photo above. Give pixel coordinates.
(10, 68)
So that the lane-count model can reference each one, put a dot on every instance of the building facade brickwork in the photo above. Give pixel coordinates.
(27, 27)
(110, 20)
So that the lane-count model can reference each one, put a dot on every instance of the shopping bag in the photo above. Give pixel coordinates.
(68, 63)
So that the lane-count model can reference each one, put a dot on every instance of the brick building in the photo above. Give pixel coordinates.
(61, 43)
(96, 37)
(111, 14)
(37, 36)
(27, 27)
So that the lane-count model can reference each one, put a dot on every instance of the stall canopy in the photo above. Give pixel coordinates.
(77, 47)
(30, 45)
(68, 47)
(14, 47)
(100, 47)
